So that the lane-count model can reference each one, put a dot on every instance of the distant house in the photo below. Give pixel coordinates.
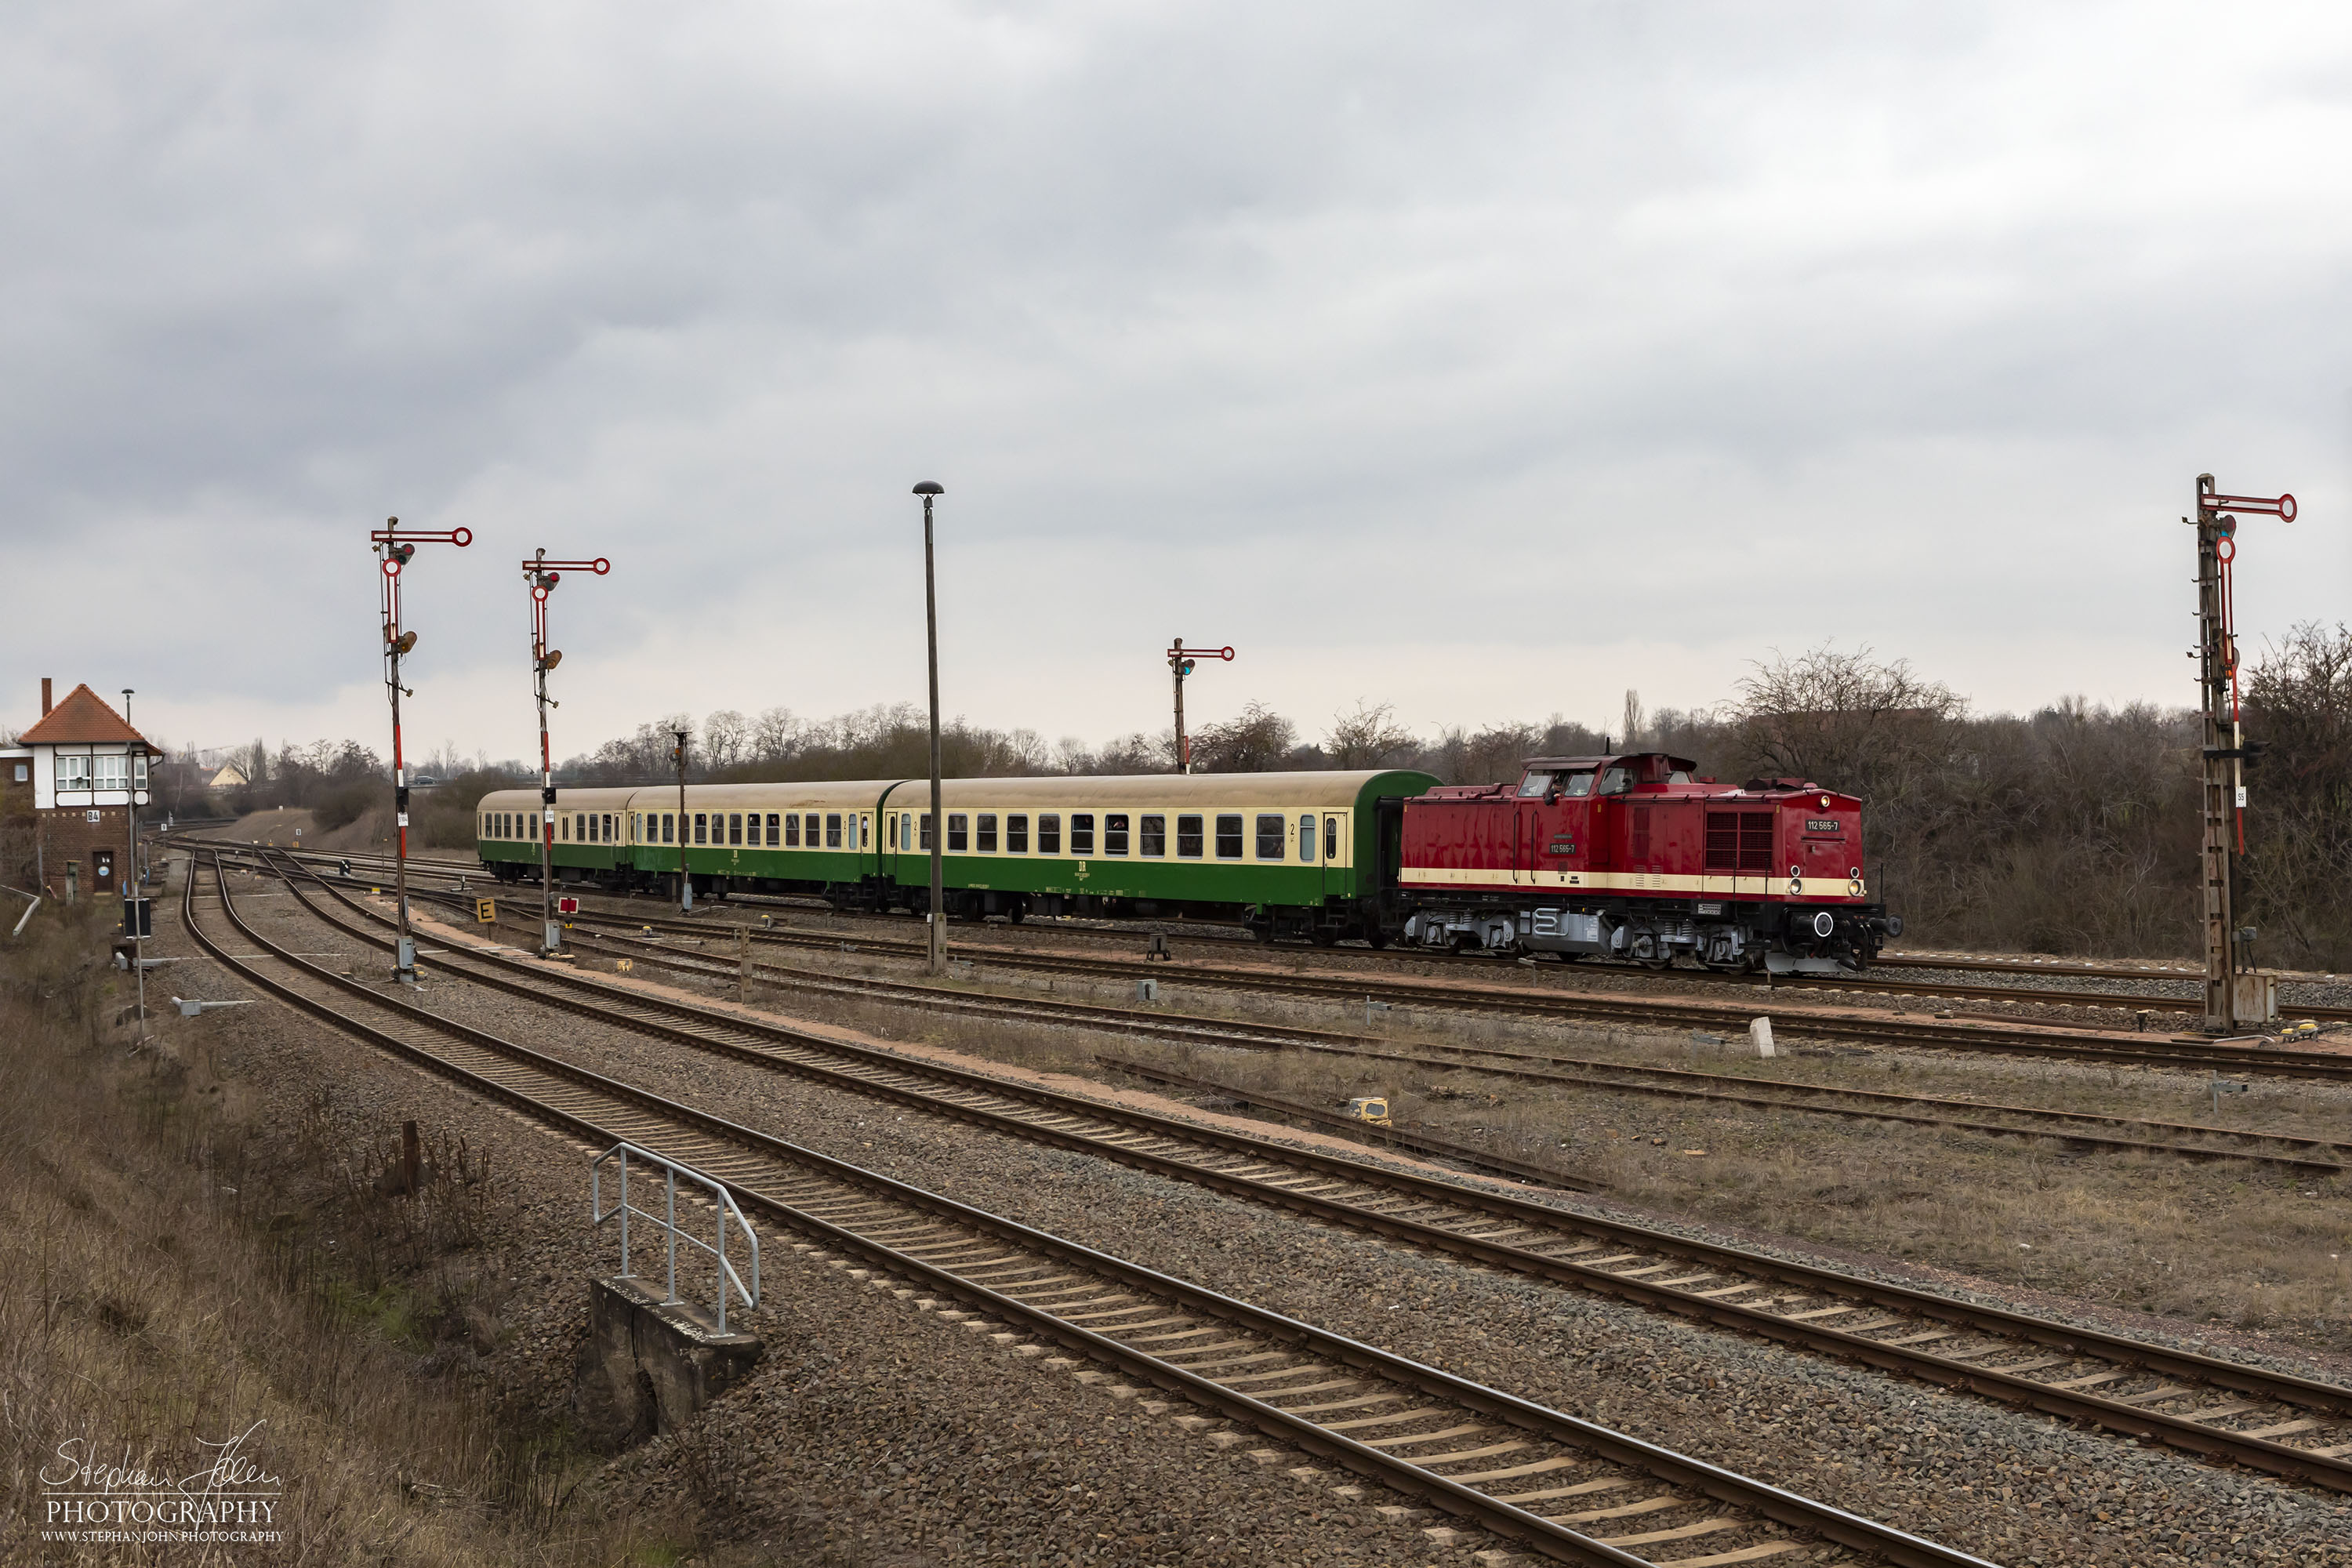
(75, 777)
(230, 776)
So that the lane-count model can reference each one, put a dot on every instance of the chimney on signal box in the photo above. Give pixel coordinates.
(45, 697)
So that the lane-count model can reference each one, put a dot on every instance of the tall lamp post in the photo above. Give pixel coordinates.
(684, 877)
(394, 549)
(542, 575)
(937, 914)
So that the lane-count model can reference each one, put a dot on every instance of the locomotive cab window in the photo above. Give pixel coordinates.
(1576, 785)
(958, 833)
(1082, 833)
(1049, 833)
(987, 830)
(1535, 783)
(1188, 838)
(1229, 835)
(1016, 834)
(1616, 781)
(1270, 835)
(1115, 834)
(1153, 832)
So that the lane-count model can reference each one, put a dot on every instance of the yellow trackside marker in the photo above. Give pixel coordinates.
(623, 966)
(486, 911)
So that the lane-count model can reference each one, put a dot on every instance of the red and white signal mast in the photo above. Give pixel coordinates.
(394, 549)
(542, 575)
(1179, 663)
(2236, 996)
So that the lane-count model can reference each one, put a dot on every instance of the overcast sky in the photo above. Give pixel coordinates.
(1485, 359)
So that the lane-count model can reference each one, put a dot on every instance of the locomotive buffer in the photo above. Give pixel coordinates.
(2237, 997)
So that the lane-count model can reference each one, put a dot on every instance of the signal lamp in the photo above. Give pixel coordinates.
(403, 643)
(554, 656)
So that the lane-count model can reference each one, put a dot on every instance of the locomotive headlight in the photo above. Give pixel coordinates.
(1826, 803)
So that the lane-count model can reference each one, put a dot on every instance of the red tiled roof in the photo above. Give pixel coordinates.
(83, 718)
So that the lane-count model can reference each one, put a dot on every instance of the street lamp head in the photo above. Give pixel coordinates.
(930, 488)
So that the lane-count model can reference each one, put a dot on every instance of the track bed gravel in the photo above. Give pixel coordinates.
(2016, 1489)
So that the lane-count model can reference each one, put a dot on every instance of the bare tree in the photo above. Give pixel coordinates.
(724, 736)
(1255, 742)
(1369, 738)
(773, 734)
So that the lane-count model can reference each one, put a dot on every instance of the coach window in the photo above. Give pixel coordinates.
(833, 830)
(959, 834)
(1188, 838)
(1082, 833)
(1270, 835)
(532, 823)
(1049, 833)
(1016, 834)
(791, 830)
(1307, 839)
(669, 828)
(702, 821)
(734, 828)
(1229, 835)
(1115, 834)
(609, 820)
(813, 831)
(563, 830)
(1330, 839)
(775, 831)
(1154, 833)
(987, 832)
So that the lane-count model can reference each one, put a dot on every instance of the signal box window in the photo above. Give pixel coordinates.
(1229, 836)
(1307, 839)
(1016, 834)
(1270, 837)
(1155, 835)
(833, 830)
(988, 833)
(1188, 838)
(1082, 833)
(1115, 834)
(958, 833)
(1049, 833)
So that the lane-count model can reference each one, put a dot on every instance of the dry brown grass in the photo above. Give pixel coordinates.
(182, 1267)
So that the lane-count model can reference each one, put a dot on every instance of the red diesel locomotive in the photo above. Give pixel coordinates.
(1635, 857)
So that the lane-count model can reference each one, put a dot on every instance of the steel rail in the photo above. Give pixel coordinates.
(1856, 1104)
(1953, 1371)
(1390, 1470)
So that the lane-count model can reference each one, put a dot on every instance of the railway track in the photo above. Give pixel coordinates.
(2005, 1035)
(2108, 1381)
(2301, 1156)
(1877, 983)
(1568, 1488)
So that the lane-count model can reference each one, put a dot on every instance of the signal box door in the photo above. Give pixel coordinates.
(101, 869)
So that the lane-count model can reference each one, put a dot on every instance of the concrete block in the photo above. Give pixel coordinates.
(648, 1366)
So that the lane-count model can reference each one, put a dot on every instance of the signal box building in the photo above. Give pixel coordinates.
(66, 787)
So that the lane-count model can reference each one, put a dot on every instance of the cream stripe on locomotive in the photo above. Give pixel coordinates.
(1742, 887)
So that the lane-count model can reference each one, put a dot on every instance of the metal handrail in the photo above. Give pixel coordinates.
(667, 1220)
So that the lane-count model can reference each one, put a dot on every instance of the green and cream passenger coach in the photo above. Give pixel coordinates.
(1306, 856)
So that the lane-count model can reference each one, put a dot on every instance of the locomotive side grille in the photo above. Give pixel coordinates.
(1756, 841)
(1722, 841)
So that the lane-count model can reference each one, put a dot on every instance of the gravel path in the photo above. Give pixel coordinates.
(2015, 1488)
